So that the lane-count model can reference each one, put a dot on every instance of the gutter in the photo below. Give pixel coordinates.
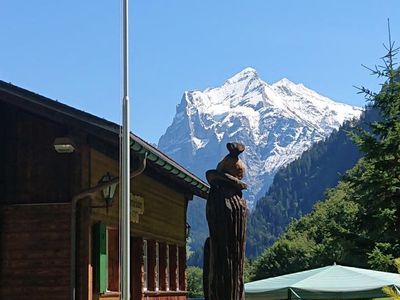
(157, 157)
(89, 193)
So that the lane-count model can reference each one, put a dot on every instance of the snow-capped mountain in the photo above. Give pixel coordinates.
(276, 122)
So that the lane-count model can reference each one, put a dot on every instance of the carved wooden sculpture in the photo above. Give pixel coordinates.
(226, 217)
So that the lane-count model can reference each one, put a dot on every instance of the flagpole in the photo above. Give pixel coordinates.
(125, 165)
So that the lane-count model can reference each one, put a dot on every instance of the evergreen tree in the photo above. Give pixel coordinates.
(376, 182)
(358, 223)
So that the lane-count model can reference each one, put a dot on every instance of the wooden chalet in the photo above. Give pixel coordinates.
(59, 236)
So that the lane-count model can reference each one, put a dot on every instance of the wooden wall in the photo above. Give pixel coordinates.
(35, 238)
(34, 252)
(163, 220)
(28, 160)
(164, 217)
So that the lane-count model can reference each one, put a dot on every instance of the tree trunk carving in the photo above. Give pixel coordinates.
(226, 216)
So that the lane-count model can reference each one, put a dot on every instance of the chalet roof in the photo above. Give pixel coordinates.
(59, 112)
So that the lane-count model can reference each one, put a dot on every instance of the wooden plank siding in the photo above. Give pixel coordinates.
(34, 251)
(36, 188)
(164, 208)
(30, 161)
(163, 220)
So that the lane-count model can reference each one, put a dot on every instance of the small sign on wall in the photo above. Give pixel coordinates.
(137, 207)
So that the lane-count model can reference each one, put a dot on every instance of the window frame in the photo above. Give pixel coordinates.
(116, 261)
(168, 268)
(145, 266)
(157, 267)
(177, 268)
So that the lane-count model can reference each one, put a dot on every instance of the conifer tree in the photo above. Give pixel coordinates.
(358, 223)
(376, 181)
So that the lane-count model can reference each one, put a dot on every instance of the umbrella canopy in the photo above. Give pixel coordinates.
(331, 282)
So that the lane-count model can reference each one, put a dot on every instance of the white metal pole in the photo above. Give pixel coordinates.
(125, 165)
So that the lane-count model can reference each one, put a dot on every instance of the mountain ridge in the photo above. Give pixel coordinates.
(277, 122)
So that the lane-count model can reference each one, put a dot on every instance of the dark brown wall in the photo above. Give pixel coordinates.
(31, 170)
(163, 220)
(34, 239)
(164, 208)
(34, 252)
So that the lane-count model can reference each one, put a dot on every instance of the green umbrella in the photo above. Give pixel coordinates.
(331, 282)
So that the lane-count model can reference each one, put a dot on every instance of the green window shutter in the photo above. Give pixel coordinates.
(100, 252)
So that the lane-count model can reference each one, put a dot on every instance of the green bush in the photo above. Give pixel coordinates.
(195, 282)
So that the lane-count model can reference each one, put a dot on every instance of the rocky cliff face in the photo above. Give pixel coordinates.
(276, 122)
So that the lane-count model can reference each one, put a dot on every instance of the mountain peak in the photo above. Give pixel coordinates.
(246, 74)
(284, 82)
(276, 123)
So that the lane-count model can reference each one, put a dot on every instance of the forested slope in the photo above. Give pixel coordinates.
(297, 187)
(358, 223)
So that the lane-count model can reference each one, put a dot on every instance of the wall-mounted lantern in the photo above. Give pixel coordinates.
(64, 145)
(109, 191)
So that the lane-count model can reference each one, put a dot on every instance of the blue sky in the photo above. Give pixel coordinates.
(71, 50)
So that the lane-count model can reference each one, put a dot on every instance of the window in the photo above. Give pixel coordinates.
(145, 270)
(182, 268)
(167, 261)
(177, 268)
(157, 266)
(136, 267)
(161, 266)
(113, 259)
(106, 258)
(172, 276)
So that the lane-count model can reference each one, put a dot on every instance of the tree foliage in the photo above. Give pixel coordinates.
(195, 282)
(299, 185)
(392, 292)
(323, 237)
(376, 183)
(358, 223)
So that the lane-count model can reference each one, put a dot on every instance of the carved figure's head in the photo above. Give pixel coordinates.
(231, 163)
(235, 148)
